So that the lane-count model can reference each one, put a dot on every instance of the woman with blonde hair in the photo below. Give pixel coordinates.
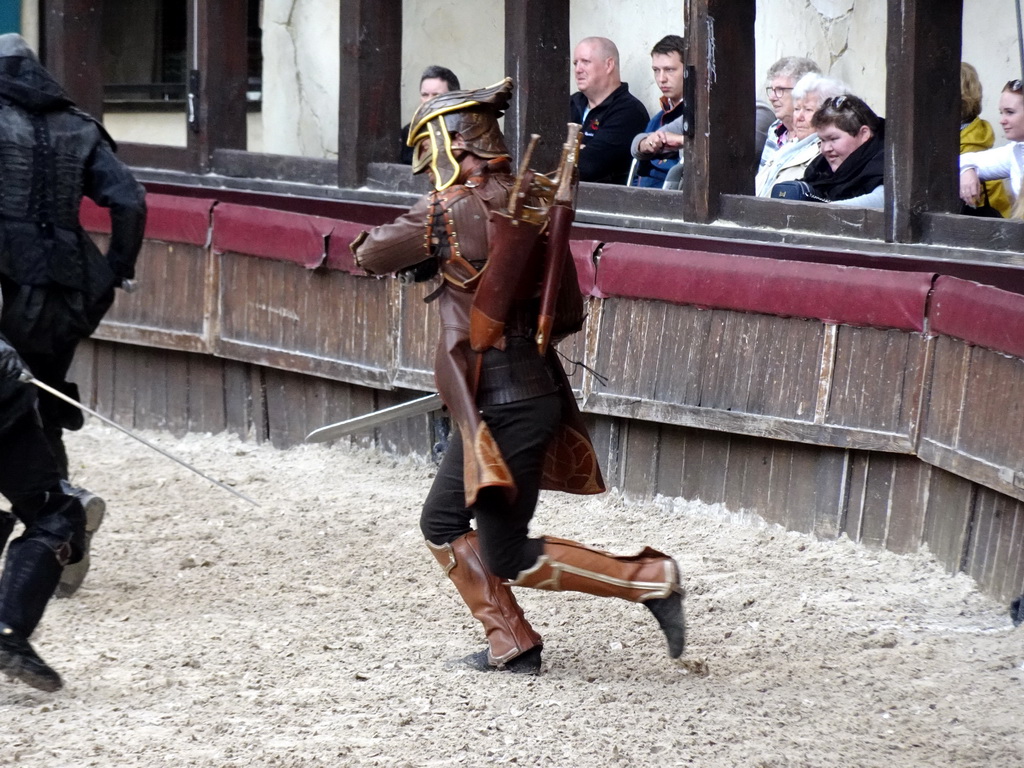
(977, 135)
(1005, 162)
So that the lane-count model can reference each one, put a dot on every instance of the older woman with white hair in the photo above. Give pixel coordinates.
(791, 160)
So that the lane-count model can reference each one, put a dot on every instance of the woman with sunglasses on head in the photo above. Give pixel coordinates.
(1005, 162)
(849, 169)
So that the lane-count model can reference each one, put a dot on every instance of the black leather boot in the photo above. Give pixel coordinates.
(95, 508)
(19, 660)
(669, 613)
(29, 579)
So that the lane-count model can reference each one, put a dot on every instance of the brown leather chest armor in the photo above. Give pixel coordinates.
(451, 226)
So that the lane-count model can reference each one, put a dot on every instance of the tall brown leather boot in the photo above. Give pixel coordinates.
(651, 578)
(511, 641)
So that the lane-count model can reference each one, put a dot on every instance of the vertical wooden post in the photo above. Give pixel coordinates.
(538, 53)
(369, 99)
(922, 109)
(720, 159)
(73, 32)
(217, 63)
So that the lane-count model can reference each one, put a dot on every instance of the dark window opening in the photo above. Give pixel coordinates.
(145, 54)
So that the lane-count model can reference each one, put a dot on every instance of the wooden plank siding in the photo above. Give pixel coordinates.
(993, 550)
(416, 329)
(975, 416)
(171, 283)
(893, 436)
(321, 322)
(758, 374)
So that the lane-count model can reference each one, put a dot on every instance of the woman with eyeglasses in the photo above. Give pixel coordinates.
(1005, 162)
(791, 160)
(849, 169)
(782, 78)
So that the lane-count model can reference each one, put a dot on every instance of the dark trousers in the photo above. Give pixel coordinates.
(27, 464)
(522, 431)
(43, 337)
(54, 525)
(56, 414)
(30, 479)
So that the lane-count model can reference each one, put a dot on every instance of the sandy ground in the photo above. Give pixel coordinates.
(313, 630)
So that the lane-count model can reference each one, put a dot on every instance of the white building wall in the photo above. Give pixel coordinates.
(300, 49)
(990, 44)
(468, 38)
(846, 39)
(300, 77)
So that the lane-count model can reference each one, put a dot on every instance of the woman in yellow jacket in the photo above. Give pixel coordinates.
(977, 134)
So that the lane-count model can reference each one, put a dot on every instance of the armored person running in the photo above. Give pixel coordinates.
(56, 284)
(519, 430)
(54, 525)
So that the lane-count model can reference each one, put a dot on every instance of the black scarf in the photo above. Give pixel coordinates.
(859, 173)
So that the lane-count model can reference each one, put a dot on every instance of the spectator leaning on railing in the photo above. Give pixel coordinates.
(976, 135)
(849, 169)
(1006, 162)
(791, 160)
(667, 64)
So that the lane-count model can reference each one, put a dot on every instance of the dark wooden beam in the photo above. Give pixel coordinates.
(922, 111)
(220, 57)
(73, 30)
(987, 235)
(538, 53)
(369, 99)
(832, 220)
(156, 156)
(254, 165)
(720, 159)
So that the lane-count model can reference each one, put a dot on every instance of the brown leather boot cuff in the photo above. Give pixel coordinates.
(571, 566)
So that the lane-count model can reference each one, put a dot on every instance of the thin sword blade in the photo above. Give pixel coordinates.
(26, 376)
(370, 420)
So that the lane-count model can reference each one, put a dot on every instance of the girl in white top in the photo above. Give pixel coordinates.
(1005, 162)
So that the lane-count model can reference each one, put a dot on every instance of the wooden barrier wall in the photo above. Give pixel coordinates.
(884, 405)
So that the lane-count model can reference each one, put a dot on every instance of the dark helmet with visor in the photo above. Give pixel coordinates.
(471, 114)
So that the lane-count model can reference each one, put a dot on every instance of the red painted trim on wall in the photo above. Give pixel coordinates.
(312, 241)
(94, 218)
(179, 220)
(270, 234)
(833, 293)
(586, 270)
(169, 218)
(979, 314)
(338, 254)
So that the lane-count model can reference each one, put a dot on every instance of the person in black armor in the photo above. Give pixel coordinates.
(56, 285)
(519, 430)
(54, 521)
